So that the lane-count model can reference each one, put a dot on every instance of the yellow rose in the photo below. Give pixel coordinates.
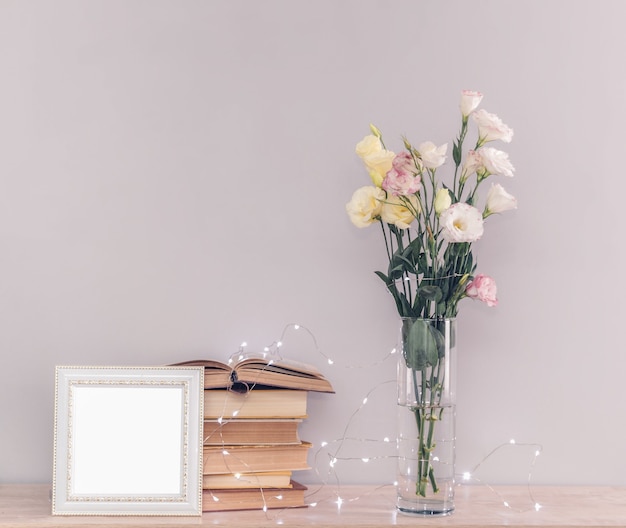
(365, 206)
(442, 200)
(395, 210)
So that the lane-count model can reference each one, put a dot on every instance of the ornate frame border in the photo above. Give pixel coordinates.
(189, 501)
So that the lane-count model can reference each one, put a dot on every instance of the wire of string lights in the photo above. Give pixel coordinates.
(334, 453)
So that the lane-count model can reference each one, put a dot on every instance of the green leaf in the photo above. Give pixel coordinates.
(382, 277)
(422, 263)
(456, 154)
(439, 340)
(408, 265)
(396, 272)
(430, 292)
(420, 345)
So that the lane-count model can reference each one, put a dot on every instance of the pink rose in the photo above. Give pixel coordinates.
(401, 179)
(482, 288)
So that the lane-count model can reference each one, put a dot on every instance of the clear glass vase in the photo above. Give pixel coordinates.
(427, 415)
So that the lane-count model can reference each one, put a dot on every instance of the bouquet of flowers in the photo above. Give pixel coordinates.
(428, 227)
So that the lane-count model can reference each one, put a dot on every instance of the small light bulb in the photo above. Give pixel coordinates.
(296, 327)
(330, 361)
(467, 475)
(511, 441)
(364, 401)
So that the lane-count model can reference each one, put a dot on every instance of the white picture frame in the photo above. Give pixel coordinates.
(128, 441)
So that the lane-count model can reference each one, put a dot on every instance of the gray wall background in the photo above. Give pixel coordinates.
(173, 176)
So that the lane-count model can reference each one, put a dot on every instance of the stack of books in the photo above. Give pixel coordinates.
(252, 414)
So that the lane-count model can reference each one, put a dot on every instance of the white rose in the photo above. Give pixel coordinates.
(442, 200)
(432, 156)
(490, 127)
(469, 101)
(498, 201)
(368, 145)
(365, 205)
(396, 212)
(461, 223)
(496, 162)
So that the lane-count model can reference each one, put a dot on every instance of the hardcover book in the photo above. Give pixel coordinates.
(256, 458)
(256, 403)
(254, 499)
(267, 479)
(252, 431)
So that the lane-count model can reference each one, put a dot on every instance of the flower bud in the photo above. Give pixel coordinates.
(375, 131)
(442, 200)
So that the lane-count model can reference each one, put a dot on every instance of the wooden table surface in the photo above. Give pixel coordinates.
(25, 505)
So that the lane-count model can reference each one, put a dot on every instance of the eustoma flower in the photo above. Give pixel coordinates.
(495, 161)
(491, 127)
(399, 211)
(401, 180)
(498, 201)
(431, 155)
(483, 288)
(368, 145)
(473, 163)
(469, 101)
(461, 222)
(377, 159)
(365, 206)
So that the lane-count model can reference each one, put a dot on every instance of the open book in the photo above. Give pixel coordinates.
(254, 370)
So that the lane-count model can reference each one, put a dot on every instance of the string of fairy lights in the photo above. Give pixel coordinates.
(328, 456)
